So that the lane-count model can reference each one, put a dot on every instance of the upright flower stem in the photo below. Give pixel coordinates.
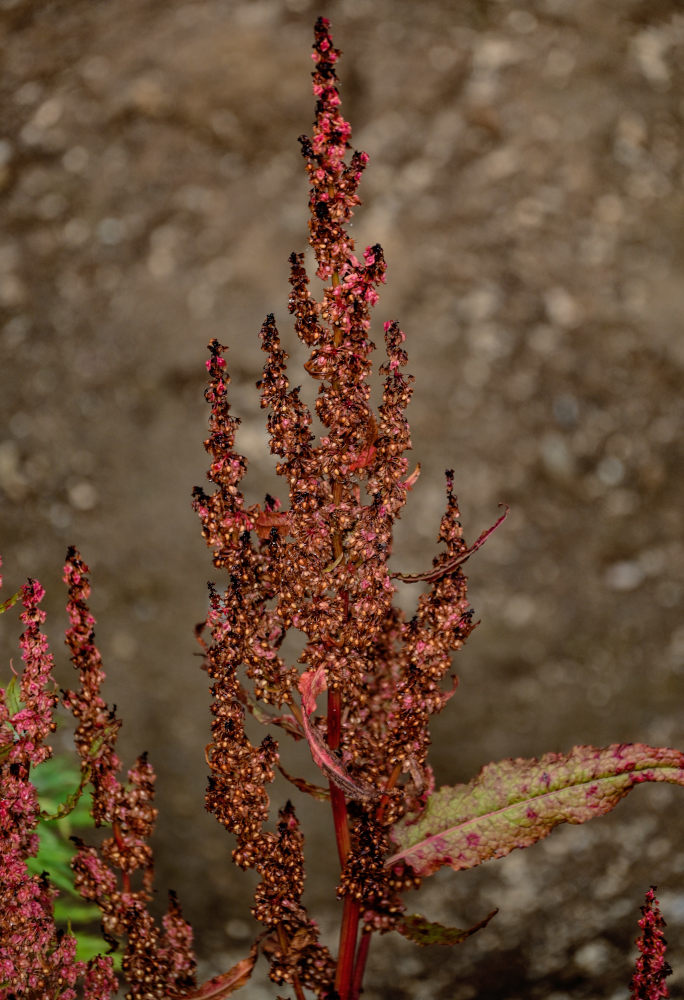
(347, 949)
(350, 913)
(360, 965)
(339, 805)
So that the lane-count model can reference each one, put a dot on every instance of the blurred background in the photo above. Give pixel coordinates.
(526, 183)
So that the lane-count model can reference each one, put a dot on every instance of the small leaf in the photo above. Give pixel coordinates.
(316, 792)
(13, 698)
(71, 801)
(450, 565)
(311, 684)
(266, 520)
(110, 730)
(286, 722)
(226, 983)
(9, 602)
(424, 932)
(515, 803)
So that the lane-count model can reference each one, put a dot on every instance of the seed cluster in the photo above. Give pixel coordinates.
(319, 564)
(118, 875)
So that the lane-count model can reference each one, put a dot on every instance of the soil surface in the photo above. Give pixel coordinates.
(526, 183)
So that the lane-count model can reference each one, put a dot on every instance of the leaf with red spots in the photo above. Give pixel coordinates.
(515, 803)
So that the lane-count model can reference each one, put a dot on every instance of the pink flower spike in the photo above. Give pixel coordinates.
(651, 969)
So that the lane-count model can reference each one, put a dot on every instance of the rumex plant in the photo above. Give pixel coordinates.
(360, 695)
(651, 971)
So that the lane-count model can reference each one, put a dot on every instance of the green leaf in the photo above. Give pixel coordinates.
(61, 792)
(88, 946)
(424, 932)
(60, 810)
(515, 803)
(12, 697)
(9, 602)
(56, 777)
(53, 857)
(77, 913)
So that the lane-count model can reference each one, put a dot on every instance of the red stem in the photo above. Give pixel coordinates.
(339, 805)
(350, 913)
(345, 956)
(360, 966)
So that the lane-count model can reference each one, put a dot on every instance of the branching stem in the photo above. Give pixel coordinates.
(360, 965)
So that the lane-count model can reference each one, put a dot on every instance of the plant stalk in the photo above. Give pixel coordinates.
(347, 950)
(337, 800)
(350, 913)
(360, 965)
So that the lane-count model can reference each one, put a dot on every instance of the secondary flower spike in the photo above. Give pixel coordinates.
(651, 971)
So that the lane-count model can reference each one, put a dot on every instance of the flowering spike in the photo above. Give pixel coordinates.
(651, 970)
(302, 305)
(333, 183)
(221, 513)
(289, 420)
(35, 958)
(154, 958)
(321, 565)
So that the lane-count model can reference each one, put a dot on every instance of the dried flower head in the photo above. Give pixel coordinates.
(319, 564)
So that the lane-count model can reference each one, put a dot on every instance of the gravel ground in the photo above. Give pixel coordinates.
(526, 183)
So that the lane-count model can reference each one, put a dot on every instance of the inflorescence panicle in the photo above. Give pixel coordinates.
(320, 564)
